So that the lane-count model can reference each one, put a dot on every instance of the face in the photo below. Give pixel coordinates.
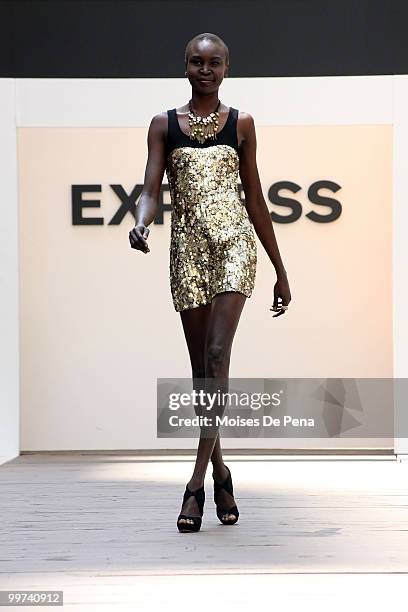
(206, 67)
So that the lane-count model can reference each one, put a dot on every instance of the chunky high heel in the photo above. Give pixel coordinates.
(227, 486)
(199, 494)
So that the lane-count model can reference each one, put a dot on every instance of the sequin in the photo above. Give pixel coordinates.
(212, 244)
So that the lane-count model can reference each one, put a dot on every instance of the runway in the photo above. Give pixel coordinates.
(102, 528)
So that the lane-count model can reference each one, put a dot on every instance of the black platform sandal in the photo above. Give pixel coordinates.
(199, 494)
(227, 486)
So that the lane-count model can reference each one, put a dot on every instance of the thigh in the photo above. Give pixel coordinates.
(195, 324)
(226, 308)
(211, 327)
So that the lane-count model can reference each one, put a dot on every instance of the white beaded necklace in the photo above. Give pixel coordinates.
(202, 128)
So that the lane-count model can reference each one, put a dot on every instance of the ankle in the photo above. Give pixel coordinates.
(195, 483)
(219, 470)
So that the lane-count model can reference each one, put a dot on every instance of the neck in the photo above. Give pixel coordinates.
(203, 105)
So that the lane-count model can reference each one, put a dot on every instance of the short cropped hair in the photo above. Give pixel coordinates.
(207, 36)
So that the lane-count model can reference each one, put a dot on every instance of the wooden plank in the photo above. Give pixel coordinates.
(116, 516)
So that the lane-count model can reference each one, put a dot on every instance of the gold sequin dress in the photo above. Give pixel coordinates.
(212, 242)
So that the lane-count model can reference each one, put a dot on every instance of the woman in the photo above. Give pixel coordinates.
(202, 146)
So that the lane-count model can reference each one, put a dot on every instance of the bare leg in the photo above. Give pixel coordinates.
(218, 461)
(209, 332)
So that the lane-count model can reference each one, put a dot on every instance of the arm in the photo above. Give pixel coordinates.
(257, 209)
(148, 202)
(255, 202)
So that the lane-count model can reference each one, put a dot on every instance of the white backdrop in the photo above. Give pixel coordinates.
(112, 406)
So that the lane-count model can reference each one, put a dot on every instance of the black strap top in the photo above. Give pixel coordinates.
(177, 138)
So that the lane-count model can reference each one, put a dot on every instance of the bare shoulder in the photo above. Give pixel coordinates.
(158, 127)
(246, 127)
(245, 119)
(246, 123)
(159, 122)
(245, 116)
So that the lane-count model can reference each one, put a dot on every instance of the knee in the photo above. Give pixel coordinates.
(217, 359)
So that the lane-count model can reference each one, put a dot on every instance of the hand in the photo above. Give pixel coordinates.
(138, 238)
(281, 291)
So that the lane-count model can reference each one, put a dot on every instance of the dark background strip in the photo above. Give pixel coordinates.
(118, 38)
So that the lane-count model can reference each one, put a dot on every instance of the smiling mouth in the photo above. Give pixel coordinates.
(206, 80)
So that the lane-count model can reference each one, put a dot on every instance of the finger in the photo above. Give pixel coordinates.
(276, 305)
(281, 312)
(137, 241)
(145, 247)
(140, 237)
(138, 246)
(134, 243)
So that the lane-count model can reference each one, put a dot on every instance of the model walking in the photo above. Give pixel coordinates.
(203, 146)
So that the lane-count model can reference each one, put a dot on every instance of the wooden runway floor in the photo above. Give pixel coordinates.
(103, 527)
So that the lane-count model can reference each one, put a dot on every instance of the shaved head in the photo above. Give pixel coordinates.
(210, 37)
